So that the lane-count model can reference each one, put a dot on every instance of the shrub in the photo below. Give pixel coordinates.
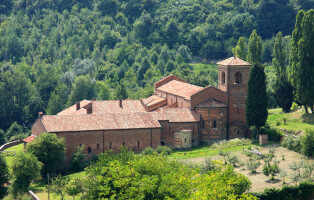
(303, 191)
(77, 162)
(208, 166)
(273, 134)
(148, 151)
(307, 142)
(252, 165)
(3, 176)
(164, 150)
(271, 169)
(292, 142)
(294, 107)
(232, 159)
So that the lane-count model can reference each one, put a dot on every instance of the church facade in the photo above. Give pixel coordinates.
(179, 115)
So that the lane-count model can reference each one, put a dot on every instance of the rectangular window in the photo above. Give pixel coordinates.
(202, 124)
(110, 145)
(123, 143)
(97, 145)
(138, 143)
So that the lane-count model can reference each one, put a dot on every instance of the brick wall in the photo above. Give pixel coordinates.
(237, 131)
(209, 134)
(38, 128)
(208, 93)
(168, 129)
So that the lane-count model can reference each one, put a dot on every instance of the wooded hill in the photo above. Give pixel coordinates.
(56, 52)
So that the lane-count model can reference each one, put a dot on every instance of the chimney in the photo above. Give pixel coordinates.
(78, 105)
(120, 102)
(89, 108)
(40, 114)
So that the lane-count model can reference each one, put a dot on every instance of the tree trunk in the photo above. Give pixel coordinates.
(306, 108)
(312, 109)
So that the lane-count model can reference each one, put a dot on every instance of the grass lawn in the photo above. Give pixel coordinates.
(40, 189)
(17, 148)
(295, 121)
(212, 150)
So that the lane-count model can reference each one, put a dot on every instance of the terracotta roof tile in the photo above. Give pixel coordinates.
(152, 100)
(176, 115)
(108, 121)
(180, 89)
(234, 61)
(211, 103)
(29, 139)
(110, 106)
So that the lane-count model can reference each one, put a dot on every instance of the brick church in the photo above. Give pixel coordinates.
(179, 115)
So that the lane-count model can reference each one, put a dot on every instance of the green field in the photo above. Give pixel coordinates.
(17, 148)
(295, 121)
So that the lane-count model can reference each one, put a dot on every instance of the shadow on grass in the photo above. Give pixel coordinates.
(273, 181)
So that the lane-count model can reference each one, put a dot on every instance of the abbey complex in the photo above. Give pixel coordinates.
(179, 115)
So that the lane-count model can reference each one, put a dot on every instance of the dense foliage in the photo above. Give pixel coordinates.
(54, 53)
(24, 169)
(303, 191)
(300, 143)
(129, 176)
(50, 150)
(4, 173)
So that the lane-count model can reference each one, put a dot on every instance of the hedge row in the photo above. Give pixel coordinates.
(305, 190)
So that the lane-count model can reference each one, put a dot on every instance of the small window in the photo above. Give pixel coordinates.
(110, 145)
(162, 143)
(138, 143)
(169, 127)
(223, 78)
(80, 145)
(192, 140)
(202, 124)
(184, 140)
(123, 143)
(98, 146)
(214, 124)
(237, 77)
(89, 150)
(238, 132)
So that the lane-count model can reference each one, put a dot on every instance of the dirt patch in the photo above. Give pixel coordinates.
(259, 181)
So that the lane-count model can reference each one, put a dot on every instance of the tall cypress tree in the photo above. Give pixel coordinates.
(283, 88)
(256, 101)
(254, 54)
(302, 58)
(239, 50)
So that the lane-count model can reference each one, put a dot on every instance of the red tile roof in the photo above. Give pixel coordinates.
(180, 89)
(108, 121)
(234, 61)
(167, 79)
(175, 115)
(152, 100)
(109, 106)
(211, 103)
(29, 139)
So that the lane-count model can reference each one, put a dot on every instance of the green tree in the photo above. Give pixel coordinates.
(254, 54)
(145, 65)
(77, 162)
(14, 130)
(283, 89)
(58, 185)
(4, 174)
(74, 187)
(256, 101)
(121, 92)
(24, 169)
(83, 88)
(301, 58)
(307, 143)
(2, 137)
(50, 150)
(142, 27)
(240, 51)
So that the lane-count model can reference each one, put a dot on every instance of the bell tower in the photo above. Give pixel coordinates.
(233, 76)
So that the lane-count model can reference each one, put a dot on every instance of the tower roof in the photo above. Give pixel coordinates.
(234, 61)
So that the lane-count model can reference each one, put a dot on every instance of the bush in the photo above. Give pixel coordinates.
(148, 151)
(252, 165)
(232, 159)
(303, 191)
(164, 150)
(3, 176)
(77, 162)
(273, 134)
(294, 107)
(292, 142)
(307, 142)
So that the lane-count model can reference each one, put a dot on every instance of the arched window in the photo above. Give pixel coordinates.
(214, 124)
(223, 78)
(162, 143)
(237, 77)
(89, 150)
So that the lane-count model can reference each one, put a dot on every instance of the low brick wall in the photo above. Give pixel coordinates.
(10, 144)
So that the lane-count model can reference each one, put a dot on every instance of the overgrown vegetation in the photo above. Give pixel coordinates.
(303, 143)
